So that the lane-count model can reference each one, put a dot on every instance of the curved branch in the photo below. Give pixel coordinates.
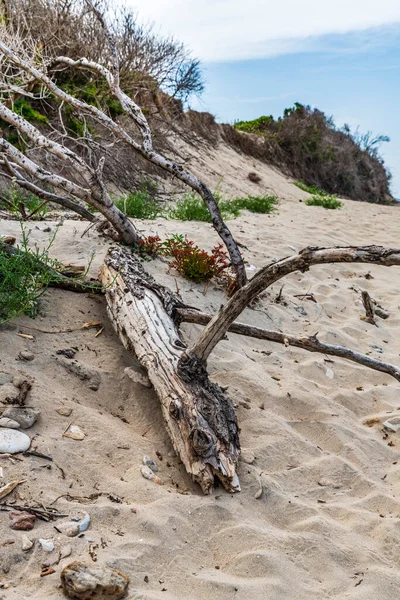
(145, 150)
(308, 257)
(311, 344)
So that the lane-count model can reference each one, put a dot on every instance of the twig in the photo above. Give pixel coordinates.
(369, 308)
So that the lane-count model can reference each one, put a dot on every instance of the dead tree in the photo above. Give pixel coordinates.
(91, 188)
(200, 419)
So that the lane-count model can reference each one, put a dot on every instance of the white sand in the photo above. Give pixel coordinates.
(327, 524)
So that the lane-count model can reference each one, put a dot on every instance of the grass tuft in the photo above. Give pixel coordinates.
(257, 204)
(327, 201)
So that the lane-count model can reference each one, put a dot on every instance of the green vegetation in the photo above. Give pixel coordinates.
(23, 205)
(258, 126)
(325, 201)
(306, 143)
(139, 205)
(192, 208)
(23, 107)
(24, 276)
(311, 189)
(257, 204)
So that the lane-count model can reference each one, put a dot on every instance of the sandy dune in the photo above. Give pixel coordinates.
(327, 523)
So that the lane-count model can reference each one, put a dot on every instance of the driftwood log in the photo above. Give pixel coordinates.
(200, 419)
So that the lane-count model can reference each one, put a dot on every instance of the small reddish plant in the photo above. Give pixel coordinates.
(149, 246)
(192, 262)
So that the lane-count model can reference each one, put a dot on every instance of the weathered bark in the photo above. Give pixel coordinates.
(369, 308)
(221, 322)
(200, 420)
(311, 343)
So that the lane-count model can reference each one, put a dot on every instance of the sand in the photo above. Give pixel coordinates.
(327, 523)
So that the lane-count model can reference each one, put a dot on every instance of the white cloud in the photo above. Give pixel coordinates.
(218, 30)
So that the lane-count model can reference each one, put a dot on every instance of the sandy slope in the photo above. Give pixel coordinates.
(327, 524)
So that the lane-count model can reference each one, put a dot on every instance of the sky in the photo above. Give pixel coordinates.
(259, 57)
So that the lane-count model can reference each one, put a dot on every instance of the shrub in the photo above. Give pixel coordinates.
(192, 208)
(191, 261)
(139, 205)
(24, 277)
(257, 204)
(325, 201)
(149, 246)
(308, 145)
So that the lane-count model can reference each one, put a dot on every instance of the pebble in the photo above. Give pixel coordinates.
(64, 411)
(147, 473)
(25, 416)
(27, 544)
(89, 582)
(47, 545)
(13, 441)
(65, 551)
(22, 521)
(248, 456)
(77, 525)
(150, 463)
(10, 423)
(24, 355)
(75, 433)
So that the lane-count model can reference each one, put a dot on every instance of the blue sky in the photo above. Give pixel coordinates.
(260, 57)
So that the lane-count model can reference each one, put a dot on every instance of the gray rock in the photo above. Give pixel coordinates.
(149, 462)
(47, 545)
(25, 416)
(13, 441)
(25, 355)
(5, 422)
(88, 582)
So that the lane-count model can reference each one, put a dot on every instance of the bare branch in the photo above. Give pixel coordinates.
(311, 344)
(308, 257)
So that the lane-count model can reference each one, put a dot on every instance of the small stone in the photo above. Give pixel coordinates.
(47, 545)
(248, 456)
(64, 411)
(75, 433)
(91, 582)
(27, 544)
(10, 423)
(13, 441)
(65, 551)
(22, 521)
(150, 463)
(137, 377)
(147, 473)
(25, 416)
(25, 355)
(69, 529)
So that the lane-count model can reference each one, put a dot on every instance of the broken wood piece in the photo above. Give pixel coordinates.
(369, 308)
(200, 419)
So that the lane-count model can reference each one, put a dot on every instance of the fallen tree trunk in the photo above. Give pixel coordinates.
(200, 419)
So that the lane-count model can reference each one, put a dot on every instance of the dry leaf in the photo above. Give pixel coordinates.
(7, 489)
